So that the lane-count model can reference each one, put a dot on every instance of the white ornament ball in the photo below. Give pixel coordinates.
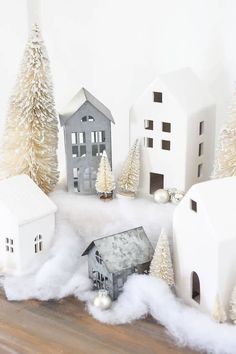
(161, 196)
(102, 300)
(177, 197)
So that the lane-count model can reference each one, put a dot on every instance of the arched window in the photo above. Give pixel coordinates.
(98, 257)
(91, 119)
(84, 119)
(196, 293)
(38, 244)
(87, 119)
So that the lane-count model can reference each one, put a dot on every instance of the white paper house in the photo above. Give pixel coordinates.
(175, 119)
(27, 223)
(204, 231)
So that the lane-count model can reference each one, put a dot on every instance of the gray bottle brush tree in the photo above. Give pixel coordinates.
(31, 132)
(129, 179)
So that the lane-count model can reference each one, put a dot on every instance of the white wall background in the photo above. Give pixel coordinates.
(116, 48)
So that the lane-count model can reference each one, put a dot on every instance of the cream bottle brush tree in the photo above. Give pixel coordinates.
(105, 183)
(161, 265)
(129, 179)
(219, 314)
(31, 133)
(225, 160)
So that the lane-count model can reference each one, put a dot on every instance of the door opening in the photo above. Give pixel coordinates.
(156, 182)
(195, 287)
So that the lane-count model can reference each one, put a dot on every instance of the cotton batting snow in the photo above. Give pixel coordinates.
(64, 272)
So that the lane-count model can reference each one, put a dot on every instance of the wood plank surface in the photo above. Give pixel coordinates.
(58, 327)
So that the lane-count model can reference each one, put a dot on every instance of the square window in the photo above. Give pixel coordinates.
(82, 139)
(95, 150)
(199, 170)
(165, 144)
(193, 205)
(82, 150)
(157, 97)
(74, 138)
(201, 128)
(200, 149)
(166, 127)
(148, 142)
(75, 151)
(148, 124)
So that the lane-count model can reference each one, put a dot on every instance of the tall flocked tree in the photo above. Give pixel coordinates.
(129, 178)
(225, 160)
(232, 309)
(161, 265)
(219, 314)
(31, 132)
(105, 183)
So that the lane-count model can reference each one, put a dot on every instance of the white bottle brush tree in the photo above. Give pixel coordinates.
(219, 314)
(161, 265)
(31, 132)
(105, 183)
(232, 310)
(225, 160)
(129, 178)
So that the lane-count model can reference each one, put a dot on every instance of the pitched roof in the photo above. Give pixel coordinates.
(185, 87)
(24, 199)
(123, 250)
(78, 100)
(216, 200)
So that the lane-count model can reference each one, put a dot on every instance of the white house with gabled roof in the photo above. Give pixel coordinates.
(175, 119)
(27, 223)
(204, 231)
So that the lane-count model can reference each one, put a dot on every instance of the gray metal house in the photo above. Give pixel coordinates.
(87, 132)
(113, 258)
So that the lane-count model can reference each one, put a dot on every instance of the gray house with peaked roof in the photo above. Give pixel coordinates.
(87, 133)
(112, 259)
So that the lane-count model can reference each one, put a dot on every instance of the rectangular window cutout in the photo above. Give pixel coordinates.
(75, 172)
(199, 170)
(193, 205)
(157, 97)
(101, 136)
(82, 139)
(200, 149)
(94, 137)
(166, 127)
(94, 150)
(148, 124)
(201, 128)
(102, 148)
(148, 142)
(165, 145)
(75, 151)
(82, 150)
(74, 138)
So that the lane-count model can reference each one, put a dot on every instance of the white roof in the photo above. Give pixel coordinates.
(186, 88)
(217, 199)
(25, 199)
(78, 100)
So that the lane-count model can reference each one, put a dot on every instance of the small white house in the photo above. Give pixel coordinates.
(27, 223)
(204, 245)
(175, 118)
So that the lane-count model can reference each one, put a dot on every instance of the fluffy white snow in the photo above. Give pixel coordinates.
(63, 272)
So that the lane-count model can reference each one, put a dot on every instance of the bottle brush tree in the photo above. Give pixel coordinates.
(225, 160)
(31, 132)
(129, 179)
(161, 265)
(219, 314)
(105, 183)
(232, 309)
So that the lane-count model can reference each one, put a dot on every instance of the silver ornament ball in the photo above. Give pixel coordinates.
(161, 196)
(102, 300)
(177, 197)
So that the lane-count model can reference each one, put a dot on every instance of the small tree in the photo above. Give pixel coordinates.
(31, 132)
(161, 265)
(129, 178)
(219, 314)
(105, 183)
(225, 160)
(232, 309)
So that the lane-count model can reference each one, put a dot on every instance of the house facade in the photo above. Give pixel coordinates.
(175, 119)
(87, 133)
(204, 244)
(113, 258)
(27, 224)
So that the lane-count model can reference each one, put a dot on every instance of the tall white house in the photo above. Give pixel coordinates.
(204, 244)
(27, 224)
(175, 119)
